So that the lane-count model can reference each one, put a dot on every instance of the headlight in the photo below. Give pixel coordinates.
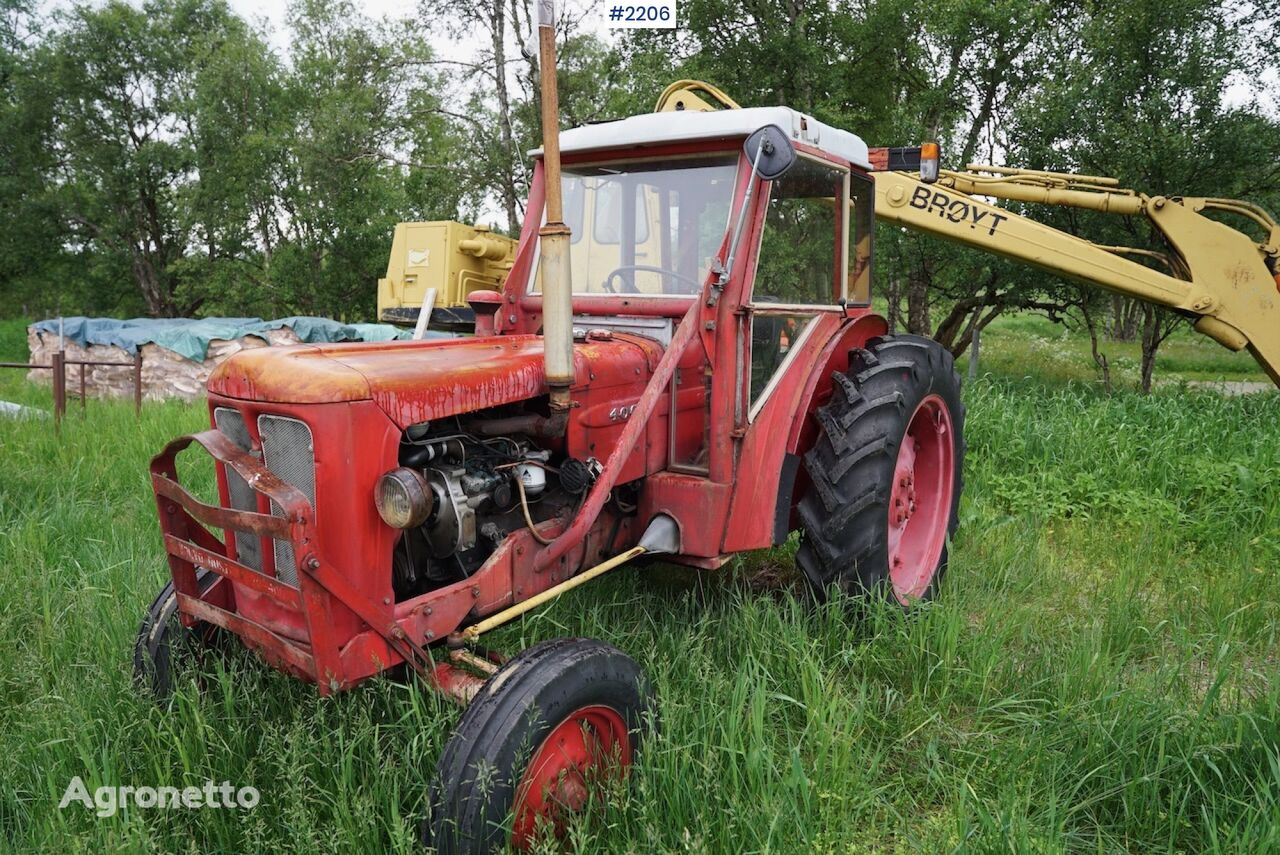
(403, 498)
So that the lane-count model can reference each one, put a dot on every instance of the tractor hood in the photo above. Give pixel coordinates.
(417, 381)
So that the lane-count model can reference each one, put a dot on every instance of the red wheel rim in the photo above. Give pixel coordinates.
(589, 747)
(920, 500)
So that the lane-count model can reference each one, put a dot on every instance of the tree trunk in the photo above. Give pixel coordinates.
(962, 316)
(149, 282)
(918, 301)
(978, 324)
(1151, 339)
(1099, 358)
(1125, 315)
(894, 297)
(498, 32)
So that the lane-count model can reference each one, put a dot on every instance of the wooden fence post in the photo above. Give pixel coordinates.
(59, 364)
(137, 382)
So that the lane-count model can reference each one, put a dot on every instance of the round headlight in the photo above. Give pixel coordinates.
(403, 498)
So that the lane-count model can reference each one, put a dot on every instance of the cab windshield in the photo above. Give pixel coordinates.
(646, 229)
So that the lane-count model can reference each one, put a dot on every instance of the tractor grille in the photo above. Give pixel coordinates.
(288, 452)
(243, 498)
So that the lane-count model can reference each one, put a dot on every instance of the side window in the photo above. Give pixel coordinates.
(803, 253)
(573, 190)
(772, 336)
(803, 261)
(862, 227)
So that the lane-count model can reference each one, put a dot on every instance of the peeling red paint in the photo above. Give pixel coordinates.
(415, 381)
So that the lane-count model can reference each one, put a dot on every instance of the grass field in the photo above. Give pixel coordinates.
(1032, 346)
(1098, 674)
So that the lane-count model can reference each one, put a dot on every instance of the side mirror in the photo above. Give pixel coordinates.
(770, 154)
(770, 151)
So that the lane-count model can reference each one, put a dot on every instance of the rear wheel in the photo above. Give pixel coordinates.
(164, 646)
(885, 472)
(553, 726)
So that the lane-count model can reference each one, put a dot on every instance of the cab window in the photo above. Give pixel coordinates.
(803, 262)
(804, 250)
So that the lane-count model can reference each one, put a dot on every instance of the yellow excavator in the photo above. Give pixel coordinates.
(1227, 283)
(436, 264)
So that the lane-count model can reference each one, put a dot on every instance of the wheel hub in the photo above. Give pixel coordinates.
(585, 750)
(920, 499)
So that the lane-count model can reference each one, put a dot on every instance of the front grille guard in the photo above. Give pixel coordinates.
(190, 545)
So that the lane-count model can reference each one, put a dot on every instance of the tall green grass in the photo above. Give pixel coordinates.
(1034, 347)
(1097, 675)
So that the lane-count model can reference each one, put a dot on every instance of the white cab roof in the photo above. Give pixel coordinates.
(686, 125)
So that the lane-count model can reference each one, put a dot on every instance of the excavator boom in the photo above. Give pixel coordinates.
(1216, 275)
(1219, 277)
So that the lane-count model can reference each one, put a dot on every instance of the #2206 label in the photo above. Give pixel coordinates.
(655, 14)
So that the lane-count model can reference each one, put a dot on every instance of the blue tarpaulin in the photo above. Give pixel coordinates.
(190, 337)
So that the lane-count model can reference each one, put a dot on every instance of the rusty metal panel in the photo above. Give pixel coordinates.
(216, 517)
(272, 646)
(288, 451)
(235, 571)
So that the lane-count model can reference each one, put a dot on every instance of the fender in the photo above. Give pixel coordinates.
(835, 357)
(769, 486)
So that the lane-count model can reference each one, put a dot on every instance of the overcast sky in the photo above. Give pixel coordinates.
(273, 13)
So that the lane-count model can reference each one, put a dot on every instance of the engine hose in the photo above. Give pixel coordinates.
(528, 520)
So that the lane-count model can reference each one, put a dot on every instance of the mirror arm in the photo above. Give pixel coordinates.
(725, 270)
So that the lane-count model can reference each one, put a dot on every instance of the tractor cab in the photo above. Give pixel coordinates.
(659, 204)
(649, 216)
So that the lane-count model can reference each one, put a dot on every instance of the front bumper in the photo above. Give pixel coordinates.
(189, 544)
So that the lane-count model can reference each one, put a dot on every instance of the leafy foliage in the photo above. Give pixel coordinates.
(176, 165)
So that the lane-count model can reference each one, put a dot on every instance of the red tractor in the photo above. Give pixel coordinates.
(715, 381)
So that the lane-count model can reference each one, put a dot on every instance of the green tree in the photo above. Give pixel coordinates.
(365, 149)
(123, 81)
(1137, 91)
(242, 121)
(31, 251)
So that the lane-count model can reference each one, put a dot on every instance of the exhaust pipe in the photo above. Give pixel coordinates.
(557, 285)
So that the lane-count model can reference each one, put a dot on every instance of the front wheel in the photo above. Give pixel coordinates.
(164, 647)
(885, 472)
(551, 727)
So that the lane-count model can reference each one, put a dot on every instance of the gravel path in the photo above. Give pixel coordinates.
(1233, 387)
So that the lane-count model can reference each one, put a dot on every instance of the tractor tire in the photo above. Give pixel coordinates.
(885, 473)
(554, 722)
(164, 646)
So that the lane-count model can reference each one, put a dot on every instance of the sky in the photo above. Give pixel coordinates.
(273, 12)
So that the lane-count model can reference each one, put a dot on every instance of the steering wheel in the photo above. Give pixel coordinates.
(646, 268)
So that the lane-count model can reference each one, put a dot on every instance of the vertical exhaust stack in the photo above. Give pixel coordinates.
(557, 286)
